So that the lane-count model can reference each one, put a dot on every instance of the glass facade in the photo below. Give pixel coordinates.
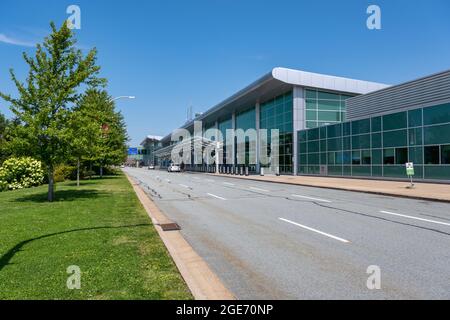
(246, 120)
(225, 125)
(324, 108)
(380, 146)
(277, 114)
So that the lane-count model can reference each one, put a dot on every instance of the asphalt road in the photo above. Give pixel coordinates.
(277, 241)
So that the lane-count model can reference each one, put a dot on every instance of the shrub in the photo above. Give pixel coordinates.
(20, 173)
(64, 172)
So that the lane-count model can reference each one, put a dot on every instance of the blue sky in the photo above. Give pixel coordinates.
(171, 54)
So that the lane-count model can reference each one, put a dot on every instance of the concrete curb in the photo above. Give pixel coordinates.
(333, 188)
(201, 280)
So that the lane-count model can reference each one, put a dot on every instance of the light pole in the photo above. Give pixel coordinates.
(122, 97)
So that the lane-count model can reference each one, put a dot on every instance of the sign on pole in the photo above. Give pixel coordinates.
(410, 172)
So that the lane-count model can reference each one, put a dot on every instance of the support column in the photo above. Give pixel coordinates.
(298, 121)
(258, 138)
(233, 126)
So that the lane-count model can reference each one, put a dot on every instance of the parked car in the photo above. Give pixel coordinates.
(174, 168)
(151, 167)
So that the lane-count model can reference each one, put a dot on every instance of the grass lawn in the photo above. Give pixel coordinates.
(100, 227)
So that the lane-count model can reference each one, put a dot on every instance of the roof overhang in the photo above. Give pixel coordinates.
(279, 81)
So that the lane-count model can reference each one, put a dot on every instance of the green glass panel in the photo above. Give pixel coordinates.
(323, 145)
(329, 105)
(394, 121)
(334, 170)
(311, 115)
(331, 158)
(415, 136)
(323, 133)
(366, 157)
(311, 124)
(361, 142)
(415, 118)
(437, 134)
(347, 170)
(377, 156)
(376, 124)
(437, 114)
(334, 131)
(416, 155)
(376, 140)
(361, 126)
(313, 158)
(328, 96)
(401, 155)
(445, 154)
(329, 116)
(311, 104)
(313, 146)
(302, 135)
(313, 134)
(437, 172)
(356, 157)
(323, 158)
(303, 159)
(311, 94)
(389, 156)
(431, 155)
(395, 171)
(347, 157)
(396, 138)
(377, 171)
(335, 144)
(346, 143)
(361, 171)
(346, 128)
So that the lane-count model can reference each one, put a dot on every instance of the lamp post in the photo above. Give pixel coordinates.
(122, 97)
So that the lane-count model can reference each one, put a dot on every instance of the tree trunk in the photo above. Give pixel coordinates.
(51, 186)
(101, 171)
(78, 172)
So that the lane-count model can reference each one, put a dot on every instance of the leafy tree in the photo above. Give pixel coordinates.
(46, 99)
(99, 131)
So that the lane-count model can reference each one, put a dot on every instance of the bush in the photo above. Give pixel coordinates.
(64, 172)
(20, 173)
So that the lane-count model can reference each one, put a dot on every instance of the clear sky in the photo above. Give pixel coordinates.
(171, 54)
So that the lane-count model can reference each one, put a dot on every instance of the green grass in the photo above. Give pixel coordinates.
(100, 227)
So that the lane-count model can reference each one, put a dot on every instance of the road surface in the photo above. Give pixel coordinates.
(277, 241)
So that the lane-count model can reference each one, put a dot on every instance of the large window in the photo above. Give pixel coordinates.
(380, 146)
(324, 108)
(246, 120)
(445, 154)
(277, 114)
(431, 154)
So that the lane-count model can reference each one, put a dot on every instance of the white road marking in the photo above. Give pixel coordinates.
(415, 218)
(258, 189)
(315, 230)
(229, 184)
(184, 186)
(213, 195)
(209, 180)
(311, 198)
(196, 178)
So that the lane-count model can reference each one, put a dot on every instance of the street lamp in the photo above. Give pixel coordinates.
(122, 97)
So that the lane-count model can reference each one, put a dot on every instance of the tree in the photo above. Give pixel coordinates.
(46, 99)
(3, 126)
(103, 141)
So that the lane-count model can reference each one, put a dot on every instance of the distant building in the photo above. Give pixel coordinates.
(149, 145)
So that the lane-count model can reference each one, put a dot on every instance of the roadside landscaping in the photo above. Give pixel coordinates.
(100, 227)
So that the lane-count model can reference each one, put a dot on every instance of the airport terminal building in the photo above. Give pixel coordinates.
(334, 126)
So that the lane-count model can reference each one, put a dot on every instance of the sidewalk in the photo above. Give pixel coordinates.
(423, 191)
